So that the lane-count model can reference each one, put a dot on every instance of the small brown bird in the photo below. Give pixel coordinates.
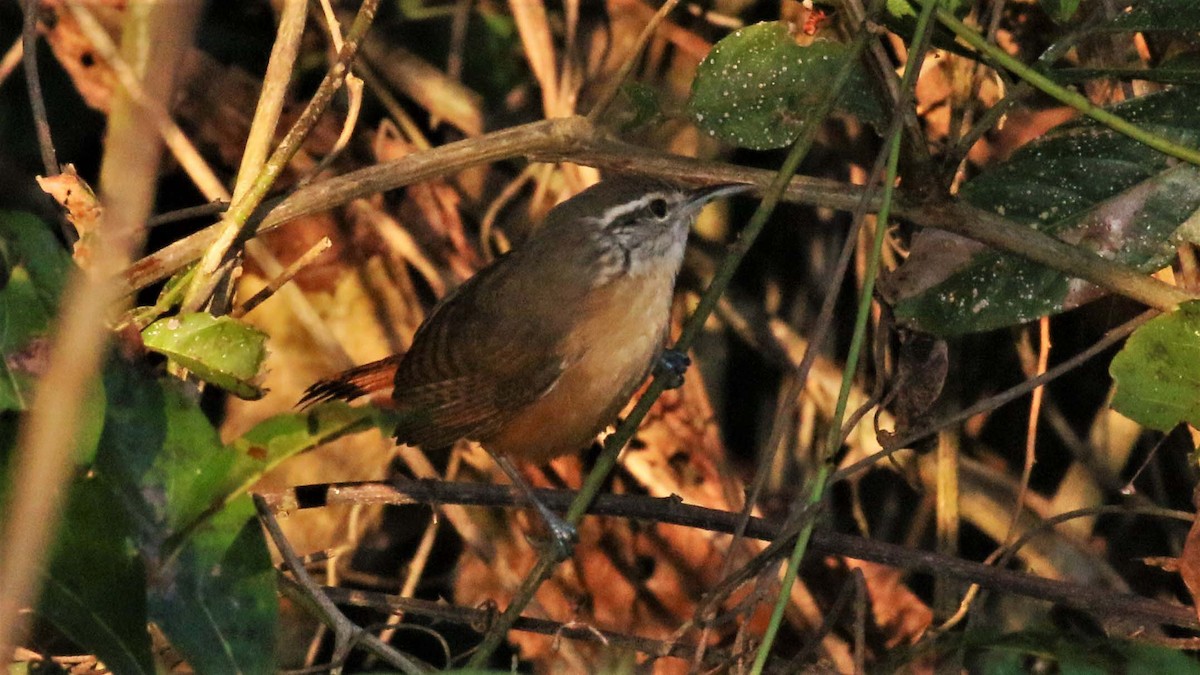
(538, 352)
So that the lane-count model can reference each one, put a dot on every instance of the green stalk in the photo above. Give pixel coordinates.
(1060, 93)
(822, 478)
(834, 439)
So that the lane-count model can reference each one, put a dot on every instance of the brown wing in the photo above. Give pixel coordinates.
(475, 362)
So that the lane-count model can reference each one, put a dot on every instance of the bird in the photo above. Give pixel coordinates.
(538, 352)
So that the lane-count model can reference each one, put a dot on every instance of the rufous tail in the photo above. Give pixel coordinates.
(354, 383)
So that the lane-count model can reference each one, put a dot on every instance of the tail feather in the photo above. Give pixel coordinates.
(354, 383)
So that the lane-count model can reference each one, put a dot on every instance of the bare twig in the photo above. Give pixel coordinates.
(11, 58)
(155, 111)
(908, 438)
(346, 634)
(631, 61)
(574, 139)
(237, 224)
(1087, 598)
(34, 82)
(292, 270)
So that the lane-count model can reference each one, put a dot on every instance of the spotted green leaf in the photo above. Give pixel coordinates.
(219, 350)
(757, 86)
(1082, 183)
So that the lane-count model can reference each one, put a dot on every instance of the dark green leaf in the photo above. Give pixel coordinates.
(35, 270)
(211, 589)
(903, 9)
(215, 597)
(95, 588)
(1072, 654)
(1157, 15)
(219, 350)
(1182, 70)
(1060, 10)
(1082, 183)
(1158, 371)
(757, 86)
(900, 16)
(162, 452)
(644, 107)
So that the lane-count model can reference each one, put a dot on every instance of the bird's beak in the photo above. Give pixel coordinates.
(704, 195)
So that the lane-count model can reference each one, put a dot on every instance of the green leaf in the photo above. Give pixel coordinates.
(277, 438)
(211, 587)
(1072, 654)
(900, 17)
(1082, 183)
(162, 452)
(1060, 10)
(220, 350)
(95, 588)
(1179, 69)
(1158, 372)
(757, 86)
(903, 9)
(215, 597)
(35, 270)
(644, 106)
(1156, 15)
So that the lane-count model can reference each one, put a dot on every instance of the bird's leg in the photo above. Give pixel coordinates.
(672, 364)
(562, 533)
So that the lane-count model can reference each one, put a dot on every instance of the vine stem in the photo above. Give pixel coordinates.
(833, 441)
(1062, 94)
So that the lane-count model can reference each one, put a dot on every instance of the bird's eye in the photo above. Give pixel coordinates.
(658, 208)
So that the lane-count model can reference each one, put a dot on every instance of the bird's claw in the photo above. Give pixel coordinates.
(563, 535)
(671, 365)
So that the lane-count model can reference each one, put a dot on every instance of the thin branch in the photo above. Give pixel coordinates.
(992, 402)
(155, 111)
(285, 276)
(670, 511)
(574, 139)
(631, 61)
(1063, 95)
(11, 59)
(34, 82)
(237, 223)
(346, 633)
(479, 619)
(292, 17)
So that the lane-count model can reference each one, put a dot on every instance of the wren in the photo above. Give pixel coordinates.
(537, 353)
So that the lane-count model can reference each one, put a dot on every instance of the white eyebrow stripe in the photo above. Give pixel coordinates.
(612, 213)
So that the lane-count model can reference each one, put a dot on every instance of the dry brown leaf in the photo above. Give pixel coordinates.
(1189, 559)
(899, 613)
(93, 77)
(83, 209)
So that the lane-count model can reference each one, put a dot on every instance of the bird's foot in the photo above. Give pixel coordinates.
(671, 365)
(563, 536)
